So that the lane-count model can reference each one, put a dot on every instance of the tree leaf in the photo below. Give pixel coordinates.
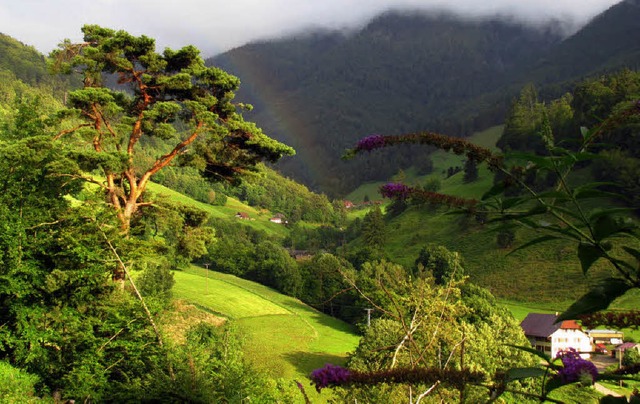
(632, 251)
(534, 242)
(559, 195)
(588, 254)
(495, 190)
(596, 193)
(535, 352)
(539, 161)
(509, 203)
(596, 213)
(536, 210)
(524, 373)
(608, 225)
(596, 299)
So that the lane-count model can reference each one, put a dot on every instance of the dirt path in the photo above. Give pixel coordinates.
(605, 390)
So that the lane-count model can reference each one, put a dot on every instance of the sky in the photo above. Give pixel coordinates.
(216, 26)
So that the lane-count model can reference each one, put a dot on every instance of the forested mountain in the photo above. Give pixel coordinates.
(406, 72)
(27, 63)
(606, 44)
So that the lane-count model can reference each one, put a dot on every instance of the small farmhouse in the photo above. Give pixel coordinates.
(550, 337)
(606, 336)
(619, 350)
(278, 218)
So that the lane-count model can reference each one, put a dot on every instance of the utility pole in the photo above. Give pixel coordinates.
(369, 317)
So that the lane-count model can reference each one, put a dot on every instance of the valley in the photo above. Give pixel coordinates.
(373, 228)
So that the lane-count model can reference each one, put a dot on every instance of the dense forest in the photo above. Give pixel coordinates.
(405, 72)
(92, 247)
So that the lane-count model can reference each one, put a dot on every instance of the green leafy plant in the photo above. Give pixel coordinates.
(562, 209)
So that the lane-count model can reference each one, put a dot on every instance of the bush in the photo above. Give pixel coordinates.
(16, 385)
(156, 281)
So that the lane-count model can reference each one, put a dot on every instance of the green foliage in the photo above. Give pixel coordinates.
(268, 189)
(156, 281)
(272, 266)
(560, 210)
(16, 385)
(438, 262)
(325, 288)
(188, 181)
(210, 367)
(169, 96)
(433, 184)
(470, 171)
(631, 357)
(373, 228)
(26, 63)
(180, 231)
(425, 325)
(524, 122)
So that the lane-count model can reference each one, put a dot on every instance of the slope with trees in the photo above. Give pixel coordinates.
(399, 73)
(64, 321)
(404, 72)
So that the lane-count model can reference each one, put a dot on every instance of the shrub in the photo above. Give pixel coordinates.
(16, 385)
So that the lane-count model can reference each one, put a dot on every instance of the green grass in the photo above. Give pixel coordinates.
(283, 336)
(259, 219)
(441, 162)
(627, 386)
(520, 310)
(547, 273)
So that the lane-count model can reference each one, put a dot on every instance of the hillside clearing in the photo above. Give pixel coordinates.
(283, 336)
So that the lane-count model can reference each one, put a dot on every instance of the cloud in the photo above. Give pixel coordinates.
(215, 25)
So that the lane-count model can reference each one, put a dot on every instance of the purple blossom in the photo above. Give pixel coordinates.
(575, 368)
(370, 142)
(329, 375)
(395, 190)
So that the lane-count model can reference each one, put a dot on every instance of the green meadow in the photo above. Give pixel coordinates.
(259, 218)
(283, 335)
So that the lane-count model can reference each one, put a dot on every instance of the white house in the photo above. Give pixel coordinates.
(278, 218)
(550, 337)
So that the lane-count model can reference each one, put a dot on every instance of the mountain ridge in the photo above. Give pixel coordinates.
(407, 73)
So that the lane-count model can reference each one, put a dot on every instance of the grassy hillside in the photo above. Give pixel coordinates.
(259, 218)
(284, 336)
(545, 273)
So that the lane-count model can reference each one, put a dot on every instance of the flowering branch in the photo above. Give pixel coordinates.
(456, 145)
(334, 376)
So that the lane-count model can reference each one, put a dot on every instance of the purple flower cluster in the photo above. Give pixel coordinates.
(575, 368)
(395, 190)
(370, 142)
(329, 375)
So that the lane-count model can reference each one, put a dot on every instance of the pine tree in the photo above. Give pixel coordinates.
(373, 228)
(171, 96)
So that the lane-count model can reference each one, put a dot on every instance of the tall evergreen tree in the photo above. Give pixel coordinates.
(170, 96)
(470, 171)
(373, 228)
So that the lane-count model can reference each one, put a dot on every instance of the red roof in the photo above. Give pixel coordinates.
(570, 325)
(543, 325)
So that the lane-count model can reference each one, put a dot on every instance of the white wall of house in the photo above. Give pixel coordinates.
(570, 338)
